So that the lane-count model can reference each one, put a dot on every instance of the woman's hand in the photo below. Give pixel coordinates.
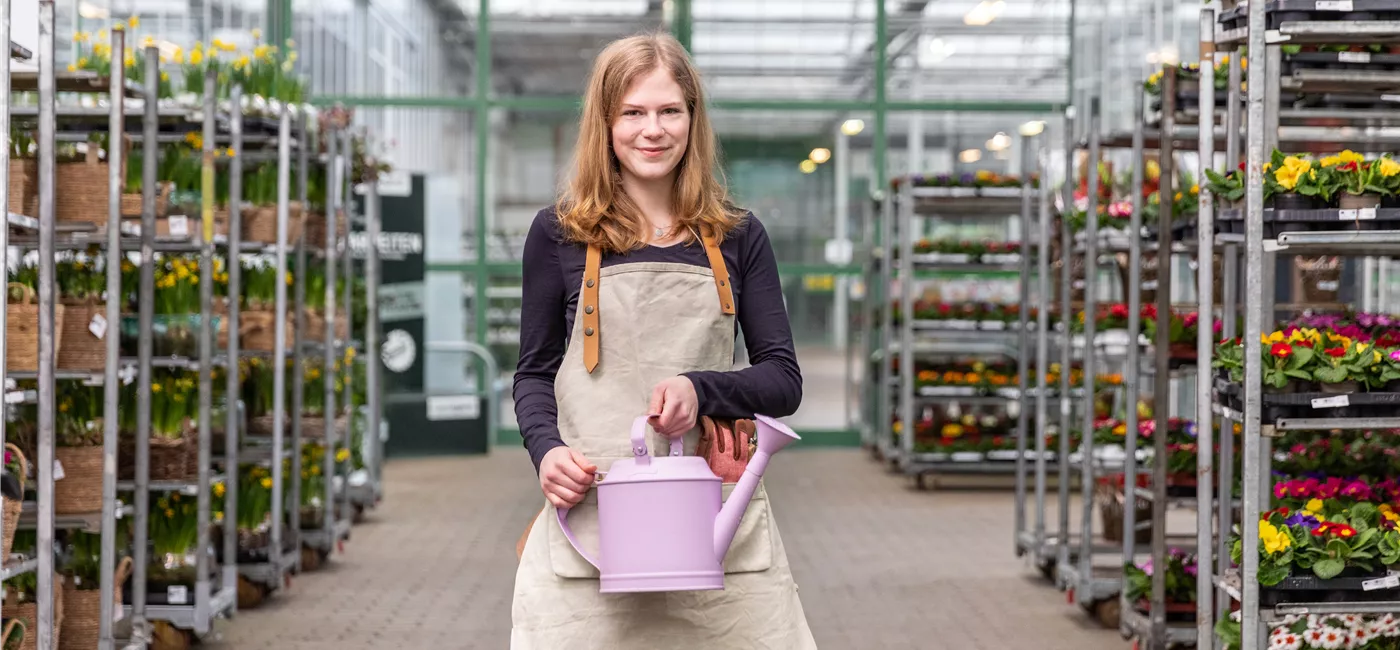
(674, 406)
(565, 476)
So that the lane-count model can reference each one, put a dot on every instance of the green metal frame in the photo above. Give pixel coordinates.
(485, 100)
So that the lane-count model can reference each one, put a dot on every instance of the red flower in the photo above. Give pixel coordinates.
(1322, 529)
(1118, 311)
(1281, 350)
(1342, 530)
(1335, 352)
(1348, 167)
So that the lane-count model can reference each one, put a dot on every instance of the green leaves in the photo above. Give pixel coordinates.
(1327, 568)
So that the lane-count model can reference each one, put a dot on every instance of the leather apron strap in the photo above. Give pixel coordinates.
(592, 277)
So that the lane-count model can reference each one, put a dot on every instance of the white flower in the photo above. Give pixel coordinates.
(1235, 616)
(1314, 636)
(1333, 638)
(1285, 641)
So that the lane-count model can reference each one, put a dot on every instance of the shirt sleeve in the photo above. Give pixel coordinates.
(772, 384)
(542, 339)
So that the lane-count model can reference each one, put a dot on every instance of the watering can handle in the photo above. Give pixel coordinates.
(569, 534)
(639, 441)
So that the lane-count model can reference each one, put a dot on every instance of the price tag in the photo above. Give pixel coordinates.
(1333, 5)
(98, 326)
(1337, 401)
(14, 397)
(1347, 215)
(58, 470)
(1354, 57)
(179, 225)
(177, 594)
(1356, 215)
(1388, 582)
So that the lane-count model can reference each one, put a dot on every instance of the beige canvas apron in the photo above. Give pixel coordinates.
(637, 324)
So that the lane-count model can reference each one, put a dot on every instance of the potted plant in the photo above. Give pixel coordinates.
(78, 425)
(82, 600)
(1356, 179)
(1289, 184)
(1228, 188)
(1285, 364)
(1340, 364)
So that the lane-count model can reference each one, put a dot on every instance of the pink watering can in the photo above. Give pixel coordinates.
(660, 523)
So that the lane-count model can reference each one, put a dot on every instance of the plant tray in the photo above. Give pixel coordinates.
(1308, 588)
(1281, 11)
(1277, 221)
(1316, 404)
(1342, 61)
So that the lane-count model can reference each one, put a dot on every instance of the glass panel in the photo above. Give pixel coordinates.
(547, 48)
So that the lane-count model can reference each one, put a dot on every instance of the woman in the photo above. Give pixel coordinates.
(634, 284)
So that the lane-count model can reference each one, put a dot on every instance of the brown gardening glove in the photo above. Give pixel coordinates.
(724, 444)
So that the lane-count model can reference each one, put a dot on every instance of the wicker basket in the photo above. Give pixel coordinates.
(82, 611)
(315, 321)
(133, 202)
(1112, 501)
(171, 459)
(80, 348)
(28, 615)
(13, 507)
(7, 636)
(316, 229)
(80, 491)
(22, 329)
(315, 426)
(260, 223)
(84, 183)
(257, 330)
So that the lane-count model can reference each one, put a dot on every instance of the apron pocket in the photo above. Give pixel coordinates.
(751, 551)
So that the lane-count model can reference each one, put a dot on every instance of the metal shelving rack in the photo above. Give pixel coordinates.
(213, 595)
(1265, 127)
(898, 211)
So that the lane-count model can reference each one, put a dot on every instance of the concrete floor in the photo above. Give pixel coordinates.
(880, 565)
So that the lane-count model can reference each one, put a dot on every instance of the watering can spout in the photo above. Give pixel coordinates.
(773, 436)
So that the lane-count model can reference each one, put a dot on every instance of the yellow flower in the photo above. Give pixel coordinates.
(262, 52)
(342, 455)
(72, 67)
(1314, 506)
(1292, 170)
(1270, 339)
(133, 22)
(169, 514)
(164, 76)
(1195, 189)
(1351, 156)
(149, 41)
(267, 483)
(257, 33)
(219, 490)
(241, 62)
(1275, 541)
(196, 57)
(1388, 167)
(1330, 161)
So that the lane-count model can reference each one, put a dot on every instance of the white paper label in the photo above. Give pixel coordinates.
(14, 397)
(118, 612)
(1333, 5)
(57, 470)
(1354, 57)
(179, 225)
(1346, 215)
(1388, 582)
(98, 326)
(1366, 213)
(177, 594)
(1331, 402)
(1355, 215)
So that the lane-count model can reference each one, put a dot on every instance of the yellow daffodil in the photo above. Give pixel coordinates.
(267, 483)
(134, 22)
(196, 57)
(257, 33)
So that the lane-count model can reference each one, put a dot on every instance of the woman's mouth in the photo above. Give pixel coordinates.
(652, 152)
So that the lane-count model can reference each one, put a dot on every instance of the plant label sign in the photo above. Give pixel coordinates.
(1337, 401)
(179, 225)
(177, 594)
(58, 470)
(1356, 215)
(1333, 5)
(98, 326)
(1354, 57)
(1388, 582)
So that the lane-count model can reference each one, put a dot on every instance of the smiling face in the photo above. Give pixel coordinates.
(652, 128)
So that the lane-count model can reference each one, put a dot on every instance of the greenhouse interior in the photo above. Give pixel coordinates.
(319, 362)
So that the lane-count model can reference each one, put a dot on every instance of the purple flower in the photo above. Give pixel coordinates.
(1366, 320)
(1146, 566)
(1191, 429)
(1298, 519)
(1189, 569)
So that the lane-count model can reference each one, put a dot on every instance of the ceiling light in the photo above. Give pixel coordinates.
(985, 12)
(999, 142)
(1033, 128)
(938, 50)
(970, 155)
(92, 11)
(820, 155)
(807, 166)
(852, 126)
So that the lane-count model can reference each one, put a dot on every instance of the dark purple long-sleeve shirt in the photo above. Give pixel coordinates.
(553, 273)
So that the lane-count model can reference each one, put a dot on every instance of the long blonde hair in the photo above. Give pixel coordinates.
(593, 209)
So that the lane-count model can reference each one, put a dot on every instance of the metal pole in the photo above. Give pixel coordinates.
(1252, 631)
(1042, 347)
(141, 633)
(47, 332)
(1066, 341)
(336, 178)
(279, 349)
(1161, 383)
(1229, 308)
(1133, 377)
(372, 379)
(1232, 112)
(1205, 343)
(906, 323)
(1091, 258)
(202, 588)
(885, 405)
(347, 210)
(232, 389)
(299, 340)
(4, 193)
(840, 320)
(1023, 342)
(116, 133)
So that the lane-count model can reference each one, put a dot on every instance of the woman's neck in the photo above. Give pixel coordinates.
(653, 198)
